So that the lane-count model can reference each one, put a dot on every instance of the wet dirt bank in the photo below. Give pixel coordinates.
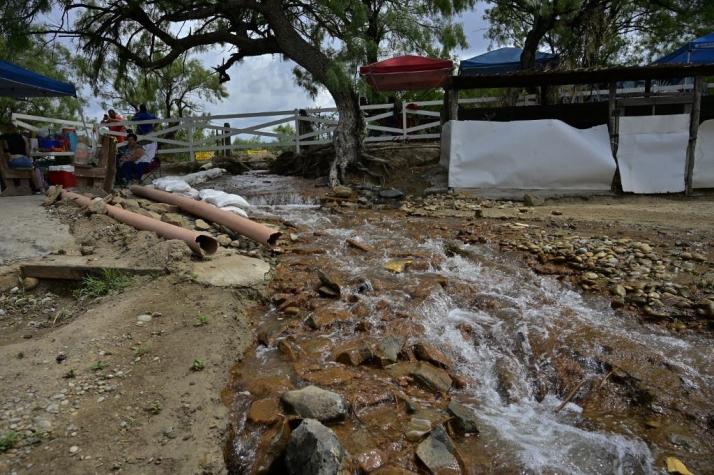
(438, 334)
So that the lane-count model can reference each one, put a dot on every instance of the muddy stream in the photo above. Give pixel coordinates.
(516, 346)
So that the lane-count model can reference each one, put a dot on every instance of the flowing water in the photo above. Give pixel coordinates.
(519, 341)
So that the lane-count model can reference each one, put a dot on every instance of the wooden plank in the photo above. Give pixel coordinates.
(78, 267)
(654, 101)
(693, 131)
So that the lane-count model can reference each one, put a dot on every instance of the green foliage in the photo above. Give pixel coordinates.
(598, 33)
(52, 60)
(154, 408)
(15, 16)
(197, 365)
(180, 89)
(109, 281)
(70, 374)
(8, 440)
(201, 320)
(140, 351)
(99, 365)
(367, 31)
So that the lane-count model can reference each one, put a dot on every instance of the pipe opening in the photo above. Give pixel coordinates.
(208, 244)
(273, 238)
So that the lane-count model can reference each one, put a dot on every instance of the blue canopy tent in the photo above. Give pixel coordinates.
(699, 51)
(20, 82)
(502, 60)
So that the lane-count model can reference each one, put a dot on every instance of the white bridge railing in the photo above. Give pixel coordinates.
(223, 133)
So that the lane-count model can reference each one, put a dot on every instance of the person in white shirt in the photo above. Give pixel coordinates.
(136, 160)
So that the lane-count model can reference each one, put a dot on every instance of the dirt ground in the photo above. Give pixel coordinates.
(98, 390)
(129, 382)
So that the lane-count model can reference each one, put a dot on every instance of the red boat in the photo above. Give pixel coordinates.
(407, 73)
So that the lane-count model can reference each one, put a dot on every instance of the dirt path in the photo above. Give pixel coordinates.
(28, 230)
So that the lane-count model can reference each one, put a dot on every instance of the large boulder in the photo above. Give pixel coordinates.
(313, 449)
(436, 452)
(312, 402)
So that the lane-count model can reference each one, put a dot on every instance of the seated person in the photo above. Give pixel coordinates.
(136, 159)
(17, 148)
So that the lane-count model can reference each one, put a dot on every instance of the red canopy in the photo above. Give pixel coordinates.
(407, 73)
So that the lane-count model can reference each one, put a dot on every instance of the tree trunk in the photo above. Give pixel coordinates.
(347, 135)
(533, 39)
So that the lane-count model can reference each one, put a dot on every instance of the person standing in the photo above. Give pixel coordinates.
(144, 129)
(115, 124)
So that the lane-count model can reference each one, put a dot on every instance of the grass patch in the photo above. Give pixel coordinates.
(201, 321)
(8, 440)
(110, 280)
(197, 365)
(154, 408)
(99, 365)
(140, 351)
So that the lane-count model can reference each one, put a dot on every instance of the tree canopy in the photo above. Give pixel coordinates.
(597, 32)
(321, 36)
(180, 89)
(53, 61)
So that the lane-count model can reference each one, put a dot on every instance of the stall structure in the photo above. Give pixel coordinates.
(407, 73)
(698, 51)
(504, 60)
(19, 82)
(650, 141)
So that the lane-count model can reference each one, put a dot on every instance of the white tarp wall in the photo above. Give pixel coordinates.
(652, 153)
(529, 155)
(703, 175)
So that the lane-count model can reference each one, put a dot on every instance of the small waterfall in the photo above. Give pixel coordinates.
(508, 312)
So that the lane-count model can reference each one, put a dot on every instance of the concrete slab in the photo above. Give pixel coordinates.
(28, 230)
(231, 271)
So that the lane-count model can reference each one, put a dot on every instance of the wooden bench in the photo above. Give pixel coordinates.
(99, 178)
(18, 181)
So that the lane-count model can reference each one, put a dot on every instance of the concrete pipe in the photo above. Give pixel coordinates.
(256, 231)
(200, 243)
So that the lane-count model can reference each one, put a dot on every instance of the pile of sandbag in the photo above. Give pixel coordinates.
(182, 185)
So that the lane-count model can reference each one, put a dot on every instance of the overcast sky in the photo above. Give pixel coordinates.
(266, 83)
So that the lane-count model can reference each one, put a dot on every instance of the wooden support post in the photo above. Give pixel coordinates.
(693, 131)
(612, 122)
(613, 128)
(226, 139)
(297, 132)
(191, 129)
(405, 125)
(445, 108)
(453, 113)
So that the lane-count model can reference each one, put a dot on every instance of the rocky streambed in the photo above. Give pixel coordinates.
(422, 342)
